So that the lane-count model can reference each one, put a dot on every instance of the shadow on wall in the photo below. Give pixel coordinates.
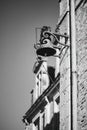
(54, 124)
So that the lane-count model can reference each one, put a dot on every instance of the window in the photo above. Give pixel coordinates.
(56, 112)
(43, 121)
(37, 124)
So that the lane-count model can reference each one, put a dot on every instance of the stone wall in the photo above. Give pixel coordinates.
(81, 55)
(64, 69)
(81, 42)
(65, 92)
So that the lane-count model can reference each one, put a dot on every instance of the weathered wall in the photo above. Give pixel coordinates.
(65, 92)
(81, 55)
(64, 69)
(81, 37)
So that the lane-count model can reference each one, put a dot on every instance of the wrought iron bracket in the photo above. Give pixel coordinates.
(51, 42)
(56, 36)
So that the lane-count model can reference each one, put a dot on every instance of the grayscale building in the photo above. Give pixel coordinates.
(59, 98)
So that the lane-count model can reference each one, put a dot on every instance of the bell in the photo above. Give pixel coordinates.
(46, 49)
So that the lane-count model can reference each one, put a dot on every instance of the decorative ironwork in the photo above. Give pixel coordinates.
(49, 42)
(56, 38)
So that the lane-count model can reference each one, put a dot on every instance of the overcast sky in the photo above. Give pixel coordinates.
(18, 19)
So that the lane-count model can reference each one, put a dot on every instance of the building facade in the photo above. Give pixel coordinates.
(45, 98)
(58, 102)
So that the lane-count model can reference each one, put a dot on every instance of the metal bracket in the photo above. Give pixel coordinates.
(55, 40)
(56, 36)
(47, 36)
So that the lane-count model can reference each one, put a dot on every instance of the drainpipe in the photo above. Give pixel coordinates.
(73, 73)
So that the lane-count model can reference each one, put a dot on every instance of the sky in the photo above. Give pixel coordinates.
(18, 20)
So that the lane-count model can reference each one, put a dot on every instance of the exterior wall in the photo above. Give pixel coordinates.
(64, 69)
(43, 122)
(65, 93)
(41, 81)
(57, 64)
(81, 48)
(81, 35)
(47, 118)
